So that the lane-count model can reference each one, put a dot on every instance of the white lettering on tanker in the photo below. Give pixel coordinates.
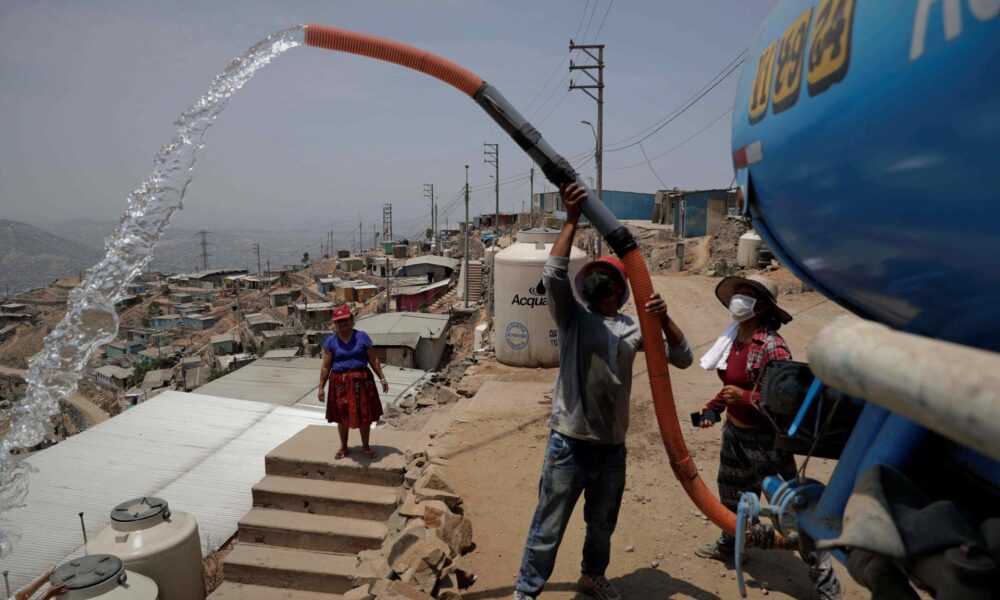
(951, 12)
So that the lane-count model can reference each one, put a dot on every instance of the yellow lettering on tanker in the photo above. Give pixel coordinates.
(788, 66)
(761, 92)
(830, 51)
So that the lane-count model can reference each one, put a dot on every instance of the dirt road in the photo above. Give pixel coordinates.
(92, 415)
(500, 443)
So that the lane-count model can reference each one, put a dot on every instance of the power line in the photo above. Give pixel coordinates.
(606, 11)
(669, 150)
(655, 174)
(590, 20)
(671, 117)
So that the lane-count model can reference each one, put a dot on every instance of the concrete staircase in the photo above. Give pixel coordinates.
(311, 515)
(475, 276)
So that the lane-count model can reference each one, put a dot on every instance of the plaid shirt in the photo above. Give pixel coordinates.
(765, 345)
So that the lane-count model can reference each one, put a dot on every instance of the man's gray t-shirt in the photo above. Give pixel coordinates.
(591, 397)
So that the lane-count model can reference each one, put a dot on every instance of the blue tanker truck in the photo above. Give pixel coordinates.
(865, 138)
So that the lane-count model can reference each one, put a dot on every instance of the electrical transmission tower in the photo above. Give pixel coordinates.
(387, 222)
(204, 248)
(256, 247)
(491, 154)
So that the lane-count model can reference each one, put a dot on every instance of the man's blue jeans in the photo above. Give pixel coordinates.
(573, 467)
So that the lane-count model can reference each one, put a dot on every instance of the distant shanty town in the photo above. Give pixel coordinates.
(184, 330)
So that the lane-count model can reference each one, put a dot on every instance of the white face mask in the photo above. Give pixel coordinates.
(741, 307)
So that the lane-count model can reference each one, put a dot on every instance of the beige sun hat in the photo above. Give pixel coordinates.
(767, 288)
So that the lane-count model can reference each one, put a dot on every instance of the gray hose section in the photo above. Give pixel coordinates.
(947, 388)
(556, 168)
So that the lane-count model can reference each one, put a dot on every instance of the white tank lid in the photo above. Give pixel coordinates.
(538, 234)
(141, 509)
(88, 571)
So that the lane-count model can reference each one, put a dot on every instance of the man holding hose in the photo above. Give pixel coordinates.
(590, 409)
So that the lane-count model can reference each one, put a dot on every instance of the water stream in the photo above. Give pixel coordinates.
(91, 320)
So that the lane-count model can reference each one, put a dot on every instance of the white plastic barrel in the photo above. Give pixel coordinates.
(158, 543)
(747, 249)
(525, 332)
(103, 577)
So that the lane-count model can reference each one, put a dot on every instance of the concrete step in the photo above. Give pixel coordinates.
(315, 496)
(304, 531)
(309, 454)
(255, 565)
(242, 591)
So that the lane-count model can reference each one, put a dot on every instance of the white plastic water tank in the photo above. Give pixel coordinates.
(158, 543)
(489, 254)
(525, 332)
(103, 577)
(747, 249)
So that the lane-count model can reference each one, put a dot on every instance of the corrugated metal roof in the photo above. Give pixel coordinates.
(114, 371)
(289, 382)
(314, 306)
(438, 261)
(202, 454)
(223, 337)
(428, 325)
(409, 340)
(282, 353)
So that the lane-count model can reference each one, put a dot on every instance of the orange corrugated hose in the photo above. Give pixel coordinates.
(642, 286)
(392, 51)
(663, 402)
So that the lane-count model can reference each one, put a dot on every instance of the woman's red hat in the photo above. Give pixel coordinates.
(341, 312)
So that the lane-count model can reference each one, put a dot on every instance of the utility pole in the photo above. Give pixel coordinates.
(429, 193)
(531, 200)
(388, 284)
(257, 248)
(465, 253)
(491, 154)
(361, 240)
(597, 84)
(437, 232)
(204, 249)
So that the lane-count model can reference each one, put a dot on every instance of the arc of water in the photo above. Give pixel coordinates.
(90, 319)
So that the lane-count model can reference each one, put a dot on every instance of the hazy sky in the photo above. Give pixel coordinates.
(89, 91)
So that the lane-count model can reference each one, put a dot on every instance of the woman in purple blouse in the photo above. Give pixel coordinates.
(353, 398)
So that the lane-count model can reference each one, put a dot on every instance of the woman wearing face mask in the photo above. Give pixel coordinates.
(748, 453)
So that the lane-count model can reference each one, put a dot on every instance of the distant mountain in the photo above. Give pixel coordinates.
(31, 257)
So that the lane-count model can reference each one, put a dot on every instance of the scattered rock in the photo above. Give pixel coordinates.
(422, 562)
(454, 530)
(411, 476)
(433, 478)
(408, 403)
(371, 566)
(410, 455)
(426, 402)
(630, 548)
(448, 588)
(399, 590)
(654, 563)
(359, 593)
(660, 556)
(410, 508)
(423, 494)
